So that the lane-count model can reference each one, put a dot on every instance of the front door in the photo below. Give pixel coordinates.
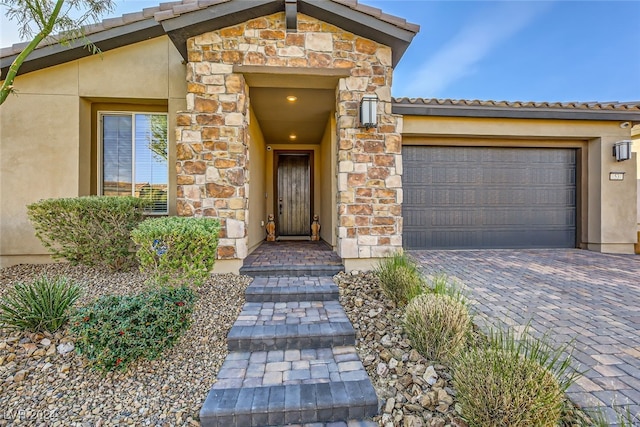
(294, 192)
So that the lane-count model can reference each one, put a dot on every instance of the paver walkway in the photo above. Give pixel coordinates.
(585, 296)
(292, 358)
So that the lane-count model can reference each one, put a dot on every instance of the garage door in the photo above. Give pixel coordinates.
(482, 197)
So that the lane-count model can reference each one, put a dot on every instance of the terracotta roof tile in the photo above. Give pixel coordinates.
(113, 22)
(369, 10)
(163, 15)
(618, 106)
(132, 17)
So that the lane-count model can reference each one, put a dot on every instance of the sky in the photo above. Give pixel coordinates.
(512, 50)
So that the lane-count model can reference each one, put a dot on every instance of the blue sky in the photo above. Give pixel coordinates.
(506, 50)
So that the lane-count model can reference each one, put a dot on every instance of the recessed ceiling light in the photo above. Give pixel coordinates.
(293, 136)
(292, 98)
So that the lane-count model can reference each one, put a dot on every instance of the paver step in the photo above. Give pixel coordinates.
(292, 404)
(285, 289)
(290, 325)
(288, 387)
(289, 367)
(291, 270)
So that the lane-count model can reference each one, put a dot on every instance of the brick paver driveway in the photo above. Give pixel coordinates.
(587, 296)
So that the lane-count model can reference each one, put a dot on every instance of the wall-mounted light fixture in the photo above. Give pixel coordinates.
(622, 150)
(369, 111)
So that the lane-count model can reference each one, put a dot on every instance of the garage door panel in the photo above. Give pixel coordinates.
(481, 197)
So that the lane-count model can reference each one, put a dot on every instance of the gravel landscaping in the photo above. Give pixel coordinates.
(40, 386)
(415, 392)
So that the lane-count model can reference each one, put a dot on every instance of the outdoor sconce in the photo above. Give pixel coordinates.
(622, 150)
(369, 111)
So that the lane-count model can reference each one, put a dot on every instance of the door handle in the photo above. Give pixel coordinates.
(280, 206)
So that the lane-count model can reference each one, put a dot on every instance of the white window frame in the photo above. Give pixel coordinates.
(100, 156)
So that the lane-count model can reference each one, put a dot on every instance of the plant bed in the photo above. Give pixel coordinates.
(38, 385)
(400, 375)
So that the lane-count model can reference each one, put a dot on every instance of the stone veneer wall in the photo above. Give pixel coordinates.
(212, 135)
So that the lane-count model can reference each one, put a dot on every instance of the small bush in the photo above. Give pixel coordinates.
(116, 330)
(512, 381)
(176, 250)
(437, 325)
(42, 305)
(93, 231)
(441, 284)
(400, 278)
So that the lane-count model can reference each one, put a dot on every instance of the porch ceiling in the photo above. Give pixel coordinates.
(279, 118)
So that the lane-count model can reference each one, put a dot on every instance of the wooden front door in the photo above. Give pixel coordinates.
(294, 192)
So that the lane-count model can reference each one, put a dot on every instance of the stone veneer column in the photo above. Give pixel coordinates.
(212, 149)
(369, 161)
(212, 136)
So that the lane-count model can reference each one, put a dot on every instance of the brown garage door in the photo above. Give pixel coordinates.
(484, 197)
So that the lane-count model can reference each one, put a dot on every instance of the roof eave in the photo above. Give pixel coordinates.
(112, 38)
(514, 113)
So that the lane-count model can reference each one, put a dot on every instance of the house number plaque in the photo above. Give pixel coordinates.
(616, 176)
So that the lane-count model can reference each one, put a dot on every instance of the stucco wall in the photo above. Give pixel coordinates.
(45, 130)
(257, 184)
(608, 217)
(328, 158)
(635, 148)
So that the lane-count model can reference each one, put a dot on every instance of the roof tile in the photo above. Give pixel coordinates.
(148, 12)
(164, 14)
(132, 17)
(369, 10)
(620, 106)
(113, 22)
(186, 7)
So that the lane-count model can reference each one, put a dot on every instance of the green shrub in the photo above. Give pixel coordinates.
(437, 325)
(42, 305)
(177, 250)
(441, 284)
(116, 330)
(513, 381)
(93, 231)
(400, 278)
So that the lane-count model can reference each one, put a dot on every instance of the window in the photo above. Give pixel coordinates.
(134, 157)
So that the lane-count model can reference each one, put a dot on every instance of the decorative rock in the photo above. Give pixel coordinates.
(412, 421)
(414, 356)
(393, 363)
(39, 352)
(382, 369)
(389, 405)
(358, 302)
(20, 376)
(386, 341)
(65, 348)
(45, 342)
(444, 398)
(29, 348)
(430, 375)
(385, 355)
(413, 407)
